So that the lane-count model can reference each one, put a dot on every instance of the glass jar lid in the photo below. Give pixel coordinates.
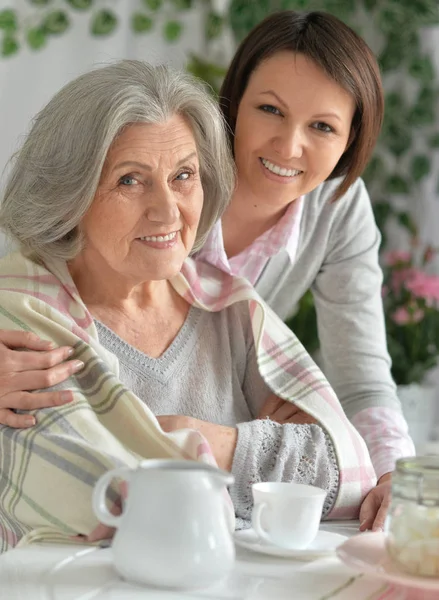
(417, 478)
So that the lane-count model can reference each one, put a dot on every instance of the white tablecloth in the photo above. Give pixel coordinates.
(86, 573)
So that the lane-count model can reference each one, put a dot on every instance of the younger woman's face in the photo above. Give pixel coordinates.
(293, 125)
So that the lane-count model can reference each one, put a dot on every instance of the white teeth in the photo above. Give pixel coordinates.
(279, 170)
(159, 238)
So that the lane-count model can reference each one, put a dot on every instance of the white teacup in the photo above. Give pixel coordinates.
(287, 514)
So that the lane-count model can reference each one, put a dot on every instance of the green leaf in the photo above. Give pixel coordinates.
(8, 20)
(420, 12)
(399, 47)
(395, 102)
(382, 212)
(80, 4)
(304, 323)
(375, 169)
(104, 22)
(36, 38)
(56, 22)
(141, 23)
(342, 9)
(211, 73)
(395, 184)
(370, 5)
(397, 136)
(153, 4)
(294, 5)
(434, 140)
(40, 2)
(390, 58)
(422, 68)
(421, 114)
(214, 25)
(9, 46)
(421, 166)
(244, 15)
(182, 4)
(406, 220)
(172, 31)
(392, 18)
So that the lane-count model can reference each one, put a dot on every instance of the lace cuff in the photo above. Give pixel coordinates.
(267, 451)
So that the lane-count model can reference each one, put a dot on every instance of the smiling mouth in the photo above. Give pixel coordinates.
(159, 238)
(281, 171)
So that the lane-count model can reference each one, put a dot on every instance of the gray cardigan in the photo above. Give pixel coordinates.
(337, 259)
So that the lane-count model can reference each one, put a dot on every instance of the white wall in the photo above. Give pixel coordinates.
(30, 78)
(429, 189)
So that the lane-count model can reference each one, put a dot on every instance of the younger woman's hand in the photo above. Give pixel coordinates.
(284, 412)
(42, 366)
(376, 505)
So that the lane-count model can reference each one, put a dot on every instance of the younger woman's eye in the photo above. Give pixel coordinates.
(270, 109)
(127, 180)
(323, 127)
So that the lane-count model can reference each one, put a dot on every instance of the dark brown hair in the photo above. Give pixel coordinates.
(339, 52)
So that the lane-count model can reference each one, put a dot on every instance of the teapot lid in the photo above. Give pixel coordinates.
(170, 464)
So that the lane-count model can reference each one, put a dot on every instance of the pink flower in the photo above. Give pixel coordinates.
(401, 316)
(417, 315)
(395, 257)
(404, 316)
(400, 277)
(424, 286)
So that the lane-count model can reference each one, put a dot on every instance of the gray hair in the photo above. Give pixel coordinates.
(56, 173)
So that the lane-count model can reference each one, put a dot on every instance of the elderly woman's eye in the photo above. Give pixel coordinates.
(184, 175)
(127, 180)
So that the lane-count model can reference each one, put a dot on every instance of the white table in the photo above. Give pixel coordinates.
(86, 573)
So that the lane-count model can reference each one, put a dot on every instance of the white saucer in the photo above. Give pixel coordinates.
(324, 544)
(367, 553)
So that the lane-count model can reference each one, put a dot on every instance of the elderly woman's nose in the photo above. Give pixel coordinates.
(163, 208)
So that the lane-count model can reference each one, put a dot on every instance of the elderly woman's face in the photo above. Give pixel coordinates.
(143, 221)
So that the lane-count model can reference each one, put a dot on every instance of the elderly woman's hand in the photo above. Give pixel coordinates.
(222, 440)
(376, 504)
(284, 412)
(41, 367)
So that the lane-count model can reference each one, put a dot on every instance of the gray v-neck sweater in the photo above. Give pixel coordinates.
(210, 372)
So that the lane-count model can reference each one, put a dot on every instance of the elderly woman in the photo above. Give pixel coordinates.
(121, 177)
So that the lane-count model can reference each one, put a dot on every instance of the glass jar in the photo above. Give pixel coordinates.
(412, 524)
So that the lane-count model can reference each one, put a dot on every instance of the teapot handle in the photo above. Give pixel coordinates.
(99, 493)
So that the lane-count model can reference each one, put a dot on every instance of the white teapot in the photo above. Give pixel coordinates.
(175, 529)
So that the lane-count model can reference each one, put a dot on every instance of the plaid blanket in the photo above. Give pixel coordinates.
(47, 473)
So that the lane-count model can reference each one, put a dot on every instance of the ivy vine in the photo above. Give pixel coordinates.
(53, 17)
(393, 28)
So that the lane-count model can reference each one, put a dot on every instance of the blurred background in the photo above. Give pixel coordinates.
(46, 43)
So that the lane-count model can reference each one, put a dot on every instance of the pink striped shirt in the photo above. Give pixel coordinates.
(251, 261)
(384, 429)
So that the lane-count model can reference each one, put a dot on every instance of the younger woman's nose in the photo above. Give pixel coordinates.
(289, 144)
